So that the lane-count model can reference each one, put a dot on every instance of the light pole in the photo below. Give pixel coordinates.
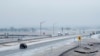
(53, 29)
(41, 27)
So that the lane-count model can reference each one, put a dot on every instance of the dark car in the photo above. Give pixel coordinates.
(23, 46)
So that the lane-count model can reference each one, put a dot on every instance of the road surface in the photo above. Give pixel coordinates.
(4, 53)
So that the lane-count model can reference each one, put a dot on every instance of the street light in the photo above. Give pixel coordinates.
(53, 29)
(41, 27)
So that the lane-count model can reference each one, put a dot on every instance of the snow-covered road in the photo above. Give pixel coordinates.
(52, 44)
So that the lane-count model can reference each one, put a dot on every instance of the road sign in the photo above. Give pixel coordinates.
(79, 38)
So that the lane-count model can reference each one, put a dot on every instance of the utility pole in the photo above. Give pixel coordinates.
(53, 29)
(62, 29)
(41, 27)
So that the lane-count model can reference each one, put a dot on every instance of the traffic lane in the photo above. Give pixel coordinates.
(4, 53)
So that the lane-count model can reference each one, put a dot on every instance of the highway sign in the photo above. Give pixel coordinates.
(79, 38)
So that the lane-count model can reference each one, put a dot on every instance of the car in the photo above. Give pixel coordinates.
(23, 46)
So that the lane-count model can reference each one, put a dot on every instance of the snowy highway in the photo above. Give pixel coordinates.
(44, 43)
(33, 46)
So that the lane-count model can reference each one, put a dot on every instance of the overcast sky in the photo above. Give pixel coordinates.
(29, 13)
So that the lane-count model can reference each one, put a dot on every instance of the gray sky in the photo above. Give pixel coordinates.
(29, 13)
